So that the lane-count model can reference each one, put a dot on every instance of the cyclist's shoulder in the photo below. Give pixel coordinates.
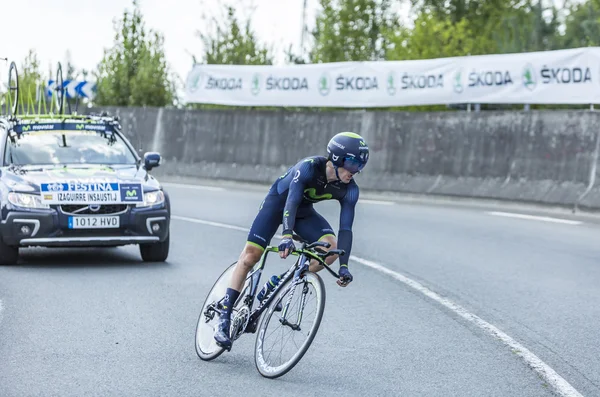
(305, 169)
(311, 163)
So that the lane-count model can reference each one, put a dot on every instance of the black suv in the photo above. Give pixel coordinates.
(73, 181)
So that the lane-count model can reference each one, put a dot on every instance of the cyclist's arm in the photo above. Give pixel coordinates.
(302, 173)
(348, 203)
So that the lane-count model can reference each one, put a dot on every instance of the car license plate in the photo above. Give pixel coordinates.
(93, 222)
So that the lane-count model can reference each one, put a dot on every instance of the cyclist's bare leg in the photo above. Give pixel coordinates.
(248, 258)
(314, 265)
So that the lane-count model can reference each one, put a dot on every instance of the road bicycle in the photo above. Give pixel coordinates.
(283, 316)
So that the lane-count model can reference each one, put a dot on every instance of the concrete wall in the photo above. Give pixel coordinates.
(545, 157)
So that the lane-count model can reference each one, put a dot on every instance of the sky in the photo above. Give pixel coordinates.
(85, 28)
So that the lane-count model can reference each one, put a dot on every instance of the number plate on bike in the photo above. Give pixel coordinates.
(93, 222)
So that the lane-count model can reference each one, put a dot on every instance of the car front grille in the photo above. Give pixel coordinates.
(84, 209)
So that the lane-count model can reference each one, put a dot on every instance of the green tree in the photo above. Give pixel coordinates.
(31, 84)
(479, 13)
(582, 25)
(233, 43)
(527, 27)
(352, 30)
(134, 71)
(433, 37)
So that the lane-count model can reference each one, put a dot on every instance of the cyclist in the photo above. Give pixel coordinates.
(290, 202)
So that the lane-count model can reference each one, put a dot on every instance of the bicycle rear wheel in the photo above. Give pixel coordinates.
(206, 346)
(276, 350)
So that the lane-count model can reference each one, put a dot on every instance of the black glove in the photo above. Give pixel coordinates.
(286, 244)
(345, 276)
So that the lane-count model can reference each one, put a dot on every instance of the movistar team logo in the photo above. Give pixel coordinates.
(255, 84)
(529, 80)
(324, 84)
(79, 126)
(131, 193)
(26, 128)
(312, 194)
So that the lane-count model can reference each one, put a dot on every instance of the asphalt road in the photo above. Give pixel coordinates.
(103, 323)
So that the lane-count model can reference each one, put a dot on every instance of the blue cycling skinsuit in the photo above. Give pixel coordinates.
(290, 202)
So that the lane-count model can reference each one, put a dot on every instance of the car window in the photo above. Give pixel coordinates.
(66, 147)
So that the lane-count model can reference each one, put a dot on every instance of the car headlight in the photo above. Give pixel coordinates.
(26, 200)
(153, 198)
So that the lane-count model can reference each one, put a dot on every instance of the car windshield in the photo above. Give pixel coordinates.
(67, 147)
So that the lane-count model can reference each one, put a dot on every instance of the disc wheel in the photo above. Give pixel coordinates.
(206, 346)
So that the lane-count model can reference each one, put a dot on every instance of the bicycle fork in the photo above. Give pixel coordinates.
(283, 320)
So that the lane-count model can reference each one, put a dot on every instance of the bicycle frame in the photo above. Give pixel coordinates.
(294, 272)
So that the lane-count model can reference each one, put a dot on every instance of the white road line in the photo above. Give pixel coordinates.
(377, 202)
(197, 187)
(534, 217)
(562, 387)
(543, 369)
(210, 223)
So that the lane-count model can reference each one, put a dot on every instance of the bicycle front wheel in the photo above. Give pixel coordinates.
(285, 336)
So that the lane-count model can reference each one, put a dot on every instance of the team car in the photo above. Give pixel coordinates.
(75, 181)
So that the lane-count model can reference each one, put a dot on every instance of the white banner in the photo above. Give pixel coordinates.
(551, 77)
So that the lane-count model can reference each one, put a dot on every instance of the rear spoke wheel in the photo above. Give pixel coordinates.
(285, 336)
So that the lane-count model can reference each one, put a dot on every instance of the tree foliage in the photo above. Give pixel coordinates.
(352, 30)
(582, 25)
(31, 83)
(233, 42)
(433, 37)
(134, 72)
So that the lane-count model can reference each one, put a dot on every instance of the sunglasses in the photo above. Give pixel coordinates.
(353, 165)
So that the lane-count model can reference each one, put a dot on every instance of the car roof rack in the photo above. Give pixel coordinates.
(52, 113)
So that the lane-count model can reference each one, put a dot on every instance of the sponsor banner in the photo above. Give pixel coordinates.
(65, 126)
(91, 193)
(551, 77)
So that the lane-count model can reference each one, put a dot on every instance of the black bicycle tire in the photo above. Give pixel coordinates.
(14, 106)
(60, 89)
(220, 351)
(268, 315)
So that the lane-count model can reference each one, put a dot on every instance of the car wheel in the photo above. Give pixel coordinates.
(8, 255)
(155, 252)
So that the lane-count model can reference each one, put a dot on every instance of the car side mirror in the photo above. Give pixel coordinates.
(151, 160)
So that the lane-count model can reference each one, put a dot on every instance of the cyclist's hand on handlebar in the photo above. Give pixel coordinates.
(345, 276)
(286, 246)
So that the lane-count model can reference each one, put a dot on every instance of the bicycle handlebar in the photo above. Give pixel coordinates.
(313, 248)
(316, 244)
